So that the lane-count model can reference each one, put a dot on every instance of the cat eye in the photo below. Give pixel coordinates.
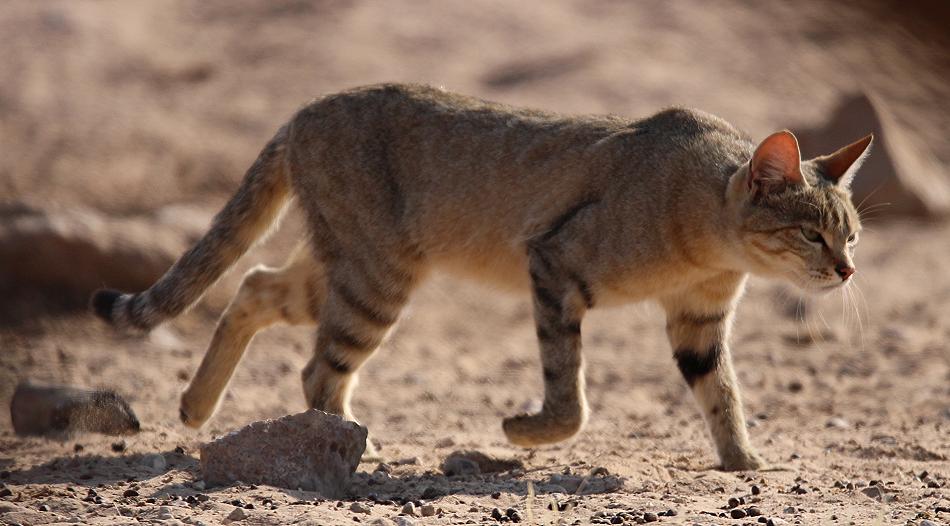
(812, 235)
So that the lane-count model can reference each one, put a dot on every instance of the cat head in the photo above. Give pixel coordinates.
(796, 218)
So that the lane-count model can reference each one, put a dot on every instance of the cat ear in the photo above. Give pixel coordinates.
(775, 163)
(841, 166)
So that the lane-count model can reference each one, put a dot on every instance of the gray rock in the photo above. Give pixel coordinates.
(61, 410)
(359, 507)
(155, 462)
(475, 462)
(237, 514)
(313, 451)
(409, 508)
(404, 521)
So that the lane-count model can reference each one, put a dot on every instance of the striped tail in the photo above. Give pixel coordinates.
(244, 219)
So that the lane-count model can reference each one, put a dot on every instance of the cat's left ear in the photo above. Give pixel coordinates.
(841, 166)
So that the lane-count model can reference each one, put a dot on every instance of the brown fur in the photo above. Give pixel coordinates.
(585, 211)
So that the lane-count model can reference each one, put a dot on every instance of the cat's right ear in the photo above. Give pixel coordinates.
(776, 163)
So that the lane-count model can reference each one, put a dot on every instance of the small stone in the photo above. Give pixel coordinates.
(849, 486)
(404, 521)
(445, 442)
(359, 507)
(155, 462)
(496, 514)
(790, 510)
(43, 507)
(756, 490)
(130, 493)
(753, 511)
(427, 510)
(837, 423)
(237, 514)
(409, 509)
(775, 521)
(496, 495)
(737, 513)
(925, 522)
(650, 517)
(733, 502)
(513, 514)
(874, 492)
(616, 519)
(795, 386)
(671, 513)
(119, 446)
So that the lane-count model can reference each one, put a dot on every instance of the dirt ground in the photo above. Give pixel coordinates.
(129, 106)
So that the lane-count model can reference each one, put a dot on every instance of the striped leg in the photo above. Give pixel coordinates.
(560, 300)
(359, 310)
(698, 329)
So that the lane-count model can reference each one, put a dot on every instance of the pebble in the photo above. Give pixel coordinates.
(753, 512)
(496, 514)
(790, 509)
(409, 509)
(650, 517)
(756, 490)
(837, 423)
(733, 502)
(359, 507)
(165, 513)
(737, 513)
(775, 521)
(925, 522)
(118, 447)
(130, 493)
(237, 514)
(427, 510)
(445, 442)
(43, 507)
(404, 521)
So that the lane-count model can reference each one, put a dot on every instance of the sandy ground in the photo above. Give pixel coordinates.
(129, 106)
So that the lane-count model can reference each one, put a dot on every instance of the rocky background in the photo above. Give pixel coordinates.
(125, 125)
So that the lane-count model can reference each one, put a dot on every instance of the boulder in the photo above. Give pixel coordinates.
(60, 255)
(312, 451)
(900, 177)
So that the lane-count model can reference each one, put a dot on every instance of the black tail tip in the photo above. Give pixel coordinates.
(102, 302)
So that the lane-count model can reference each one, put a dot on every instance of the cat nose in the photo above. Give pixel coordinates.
(844, 270)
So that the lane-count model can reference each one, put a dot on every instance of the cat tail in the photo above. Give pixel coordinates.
(246, 217)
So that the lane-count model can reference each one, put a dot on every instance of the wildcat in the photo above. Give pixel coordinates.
(585, 211)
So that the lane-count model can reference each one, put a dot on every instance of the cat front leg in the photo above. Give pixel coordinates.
(698, 325)
(561, 298)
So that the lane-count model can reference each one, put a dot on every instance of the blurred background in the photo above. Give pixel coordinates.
(124, 126)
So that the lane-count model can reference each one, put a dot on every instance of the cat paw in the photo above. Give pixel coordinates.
(190, 415)
(541, 428)
(745, 461)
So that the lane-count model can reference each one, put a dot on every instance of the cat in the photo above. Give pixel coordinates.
(583, 211)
